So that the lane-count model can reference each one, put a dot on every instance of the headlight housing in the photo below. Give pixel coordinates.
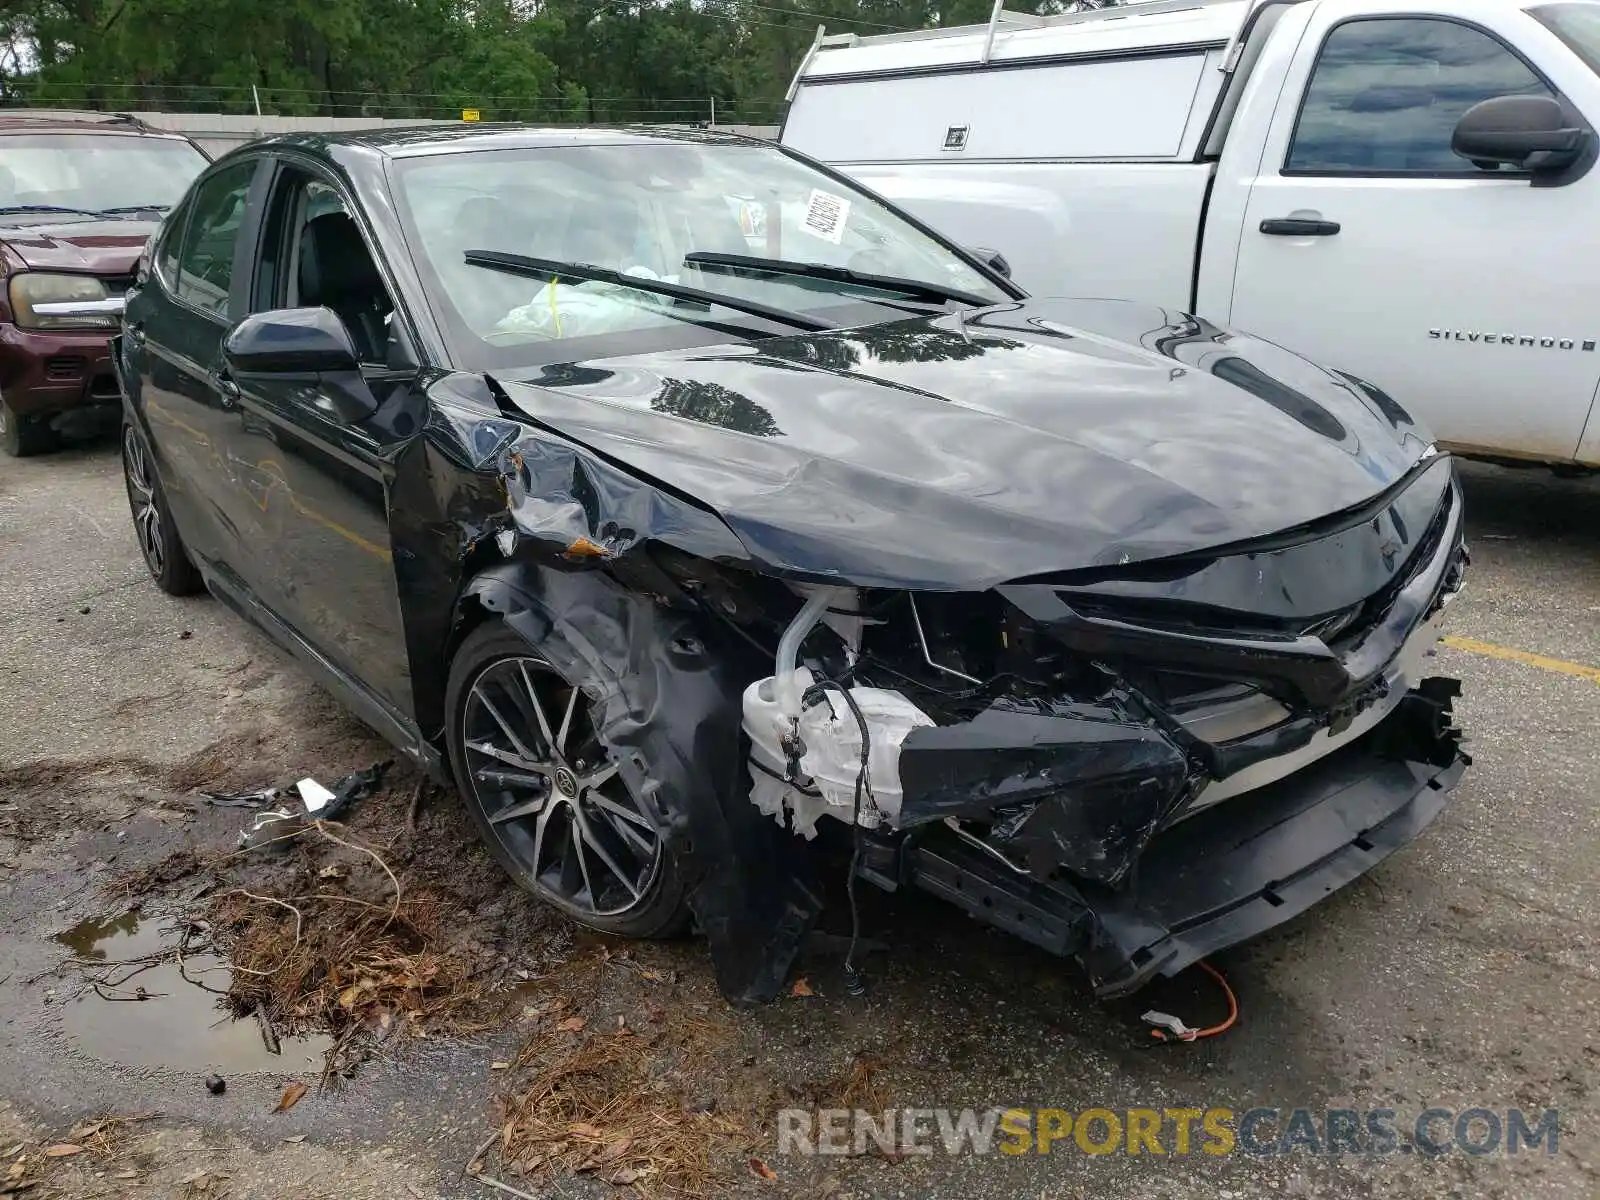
(31, 289)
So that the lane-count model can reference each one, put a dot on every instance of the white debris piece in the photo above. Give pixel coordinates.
(314, 795)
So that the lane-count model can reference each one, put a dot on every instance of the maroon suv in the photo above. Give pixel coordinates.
(80, 195)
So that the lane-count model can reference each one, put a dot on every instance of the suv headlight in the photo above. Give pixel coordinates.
(33, 291)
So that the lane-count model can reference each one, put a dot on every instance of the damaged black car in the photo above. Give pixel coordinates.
(677, 500)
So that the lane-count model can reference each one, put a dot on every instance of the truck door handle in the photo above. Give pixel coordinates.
(1298, 227)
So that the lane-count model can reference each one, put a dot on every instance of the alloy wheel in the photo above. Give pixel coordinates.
(551, 793)
(142, 499)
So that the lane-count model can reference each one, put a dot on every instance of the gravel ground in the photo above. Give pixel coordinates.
(1461, 973)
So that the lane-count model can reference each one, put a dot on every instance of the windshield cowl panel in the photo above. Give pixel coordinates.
(655, 212)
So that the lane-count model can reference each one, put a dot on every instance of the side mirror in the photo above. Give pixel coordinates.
(1530, 133)
(290, 341)
(992, 259)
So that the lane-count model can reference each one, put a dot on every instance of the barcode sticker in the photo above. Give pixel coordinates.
(826, 215)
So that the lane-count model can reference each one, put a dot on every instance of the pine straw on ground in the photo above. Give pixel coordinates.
(597, 1101)
(52, 1166)
(597, 1095)
(628, 1105)
(347, 950)
(857, 1088)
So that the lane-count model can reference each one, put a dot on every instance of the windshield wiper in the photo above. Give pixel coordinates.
(133, 208)
(544, 268)
(709, 260)
(46, 208)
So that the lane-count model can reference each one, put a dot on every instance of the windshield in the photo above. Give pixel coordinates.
(640, 210)
(94, 172)
(1578, 25)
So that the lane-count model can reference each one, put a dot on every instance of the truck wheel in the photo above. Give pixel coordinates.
(22, 436)
(548, 797)
(163, 549)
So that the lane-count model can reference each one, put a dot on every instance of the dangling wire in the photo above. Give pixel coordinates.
(1172, 1029)
(853, 982)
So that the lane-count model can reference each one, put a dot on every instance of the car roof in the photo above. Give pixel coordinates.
(66, 120)
(72, 117)
(423, 140)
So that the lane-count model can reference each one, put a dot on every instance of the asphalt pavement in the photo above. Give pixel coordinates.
(1461, 973)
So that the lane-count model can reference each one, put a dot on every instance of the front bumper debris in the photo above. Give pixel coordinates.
(1098, 821)
(1232, 871)
(1240, 869)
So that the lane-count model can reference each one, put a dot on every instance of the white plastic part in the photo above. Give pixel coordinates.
(841, 615)
(829, 767)
(1170, 1023)
(314, 795)
(775, 798)
(786, 689)
(824, 781)
(833, 749)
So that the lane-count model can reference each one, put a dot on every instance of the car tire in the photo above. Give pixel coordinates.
(22, 437)
(527, 801)
(162, 548)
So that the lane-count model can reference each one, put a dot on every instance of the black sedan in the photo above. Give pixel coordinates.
(681, 501)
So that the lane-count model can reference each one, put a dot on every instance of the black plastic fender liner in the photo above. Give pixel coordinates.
(667, 703)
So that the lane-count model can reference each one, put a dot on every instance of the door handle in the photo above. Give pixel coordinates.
(1299, 227)
(225, 387)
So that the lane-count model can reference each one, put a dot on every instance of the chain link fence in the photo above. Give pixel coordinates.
(575, 108)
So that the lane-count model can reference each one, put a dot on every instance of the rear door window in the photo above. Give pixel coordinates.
(169, 245)
(205, 266)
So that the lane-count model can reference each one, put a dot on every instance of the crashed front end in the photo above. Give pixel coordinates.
(1135, 766)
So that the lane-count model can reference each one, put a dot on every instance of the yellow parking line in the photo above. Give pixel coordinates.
(1543, 662)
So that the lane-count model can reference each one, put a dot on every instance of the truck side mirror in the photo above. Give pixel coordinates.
(992, 259)
(1530, 133)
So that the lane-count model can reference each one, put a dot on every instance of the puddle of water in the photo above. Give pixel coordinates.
(182, 1026)
(84, 939)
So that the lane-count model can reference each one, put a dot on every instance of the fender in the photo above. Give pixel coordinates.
(666, 694)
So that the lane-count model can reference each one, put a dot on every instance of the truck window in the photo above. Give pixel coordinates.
(1386, 94)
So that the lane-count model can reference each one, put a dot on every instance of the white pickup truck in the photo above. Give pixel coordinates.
(1403, 189)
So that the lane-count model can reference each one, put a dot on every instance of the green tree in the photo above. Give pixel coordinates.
(539, 60)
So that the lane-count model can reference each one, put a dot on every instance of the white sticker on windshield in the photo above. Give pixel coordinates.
(825, 216)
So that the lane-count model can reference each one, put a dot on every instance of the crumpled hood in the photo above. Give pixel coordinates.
(967, 450)
(109, 247)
